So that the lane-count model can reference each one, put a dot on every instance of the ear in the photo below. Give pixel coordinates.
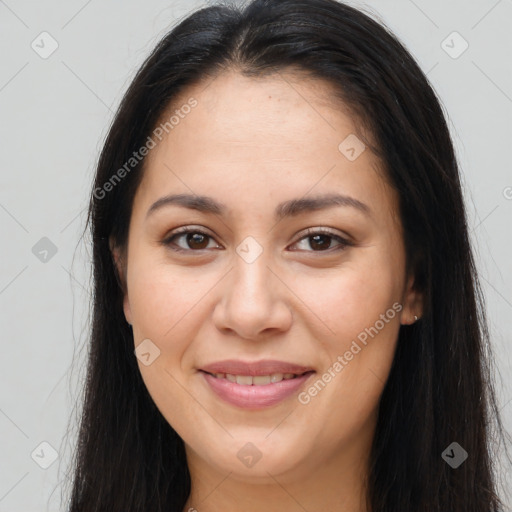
(120, 269)
(412, 302)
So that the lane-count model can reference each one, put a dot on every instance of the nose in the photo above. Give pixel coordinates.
(253, 300)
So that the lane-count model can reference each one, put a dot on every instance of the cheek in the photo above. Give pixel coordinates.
(165, 302)
(162, 297)
(360, 309)
(354, 297)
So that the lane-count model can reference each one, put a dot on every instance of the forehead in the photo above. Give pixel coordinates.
(277, 110)
(273, 136)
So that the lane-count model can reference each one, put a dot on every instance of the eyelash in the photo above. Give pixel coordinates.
(310, 232)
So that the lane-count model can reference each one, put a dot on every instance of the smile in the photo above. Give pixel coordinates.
(255, 391)
(256, 380)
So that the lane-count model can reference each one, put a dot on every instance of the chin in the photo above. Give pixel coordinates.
(249, 461)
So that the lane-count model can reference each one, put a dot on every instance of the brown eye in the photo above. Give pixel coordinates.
(191, 240)
(194, 240)
(197, 240)
(321, 241)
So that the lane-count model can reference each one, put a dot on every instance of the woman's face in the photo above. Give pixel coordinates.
(294, 264)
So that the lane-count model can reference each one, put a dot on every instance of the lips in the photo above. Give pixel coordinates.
(255, 385)
(266, 367)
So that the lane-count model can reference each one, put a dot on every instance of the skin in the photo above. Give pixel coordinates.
(251, 144)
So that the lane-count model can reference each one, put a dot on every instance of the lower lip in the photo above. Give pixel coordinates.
(255, 397)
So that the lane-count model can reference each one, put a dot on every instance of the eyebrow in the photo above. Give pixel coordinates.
(288, 208)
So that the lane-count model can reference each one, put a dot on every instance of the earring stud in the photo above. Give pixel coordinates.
(415, 318)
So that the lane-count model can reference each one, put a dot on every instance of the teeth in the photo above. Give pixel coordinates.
(243, 379)
(257, 380)
(260, 380)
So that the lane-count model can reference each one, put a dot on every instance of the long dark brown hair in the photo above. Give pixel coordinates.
(440, 388)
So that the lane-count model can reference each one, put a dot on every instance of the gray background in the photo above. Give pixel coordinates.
(55, 112)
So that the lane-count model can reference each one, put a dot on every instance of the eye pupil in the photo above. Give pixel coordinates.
(319, 245)
(197, 238)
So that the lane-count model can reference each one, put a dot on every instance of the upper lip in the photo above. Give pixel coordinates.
(265, 367)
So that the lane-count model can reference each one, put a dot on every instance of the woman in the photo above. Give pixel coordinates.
(287, 314)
